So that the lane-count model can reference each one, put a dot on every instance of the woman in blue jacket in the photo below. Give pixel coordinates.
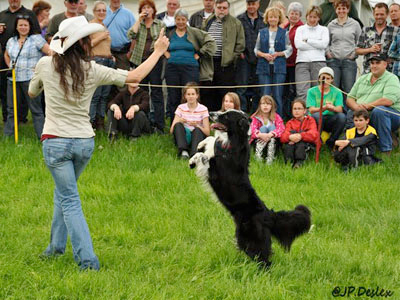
(273, 48)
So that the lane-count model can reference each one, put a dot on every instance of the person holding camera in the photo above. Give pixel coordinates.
(144, 33)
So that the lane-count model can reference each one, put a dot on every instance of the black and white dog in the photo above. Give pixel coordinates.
(223, 161)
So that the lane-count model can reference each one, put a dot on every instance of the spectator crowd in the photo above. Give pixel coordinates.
(296, 63)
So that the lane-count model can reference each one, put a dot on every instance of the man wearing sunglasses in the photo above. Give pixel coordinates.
(7, 22)
(72, 7)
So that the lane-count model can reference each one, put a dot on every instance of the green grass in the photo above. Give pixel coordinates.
(159, 234)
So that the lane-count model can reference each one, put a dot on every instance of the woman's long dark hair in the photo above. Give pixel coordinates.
(72, 63)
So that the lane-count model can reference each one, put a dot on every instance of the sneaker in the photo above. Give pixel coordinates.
(270, 152)
(297, 164)
(185, 154)
(260, 145)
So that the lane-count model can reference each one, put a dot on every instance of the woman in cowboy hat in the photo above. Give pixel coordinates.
(69, 80)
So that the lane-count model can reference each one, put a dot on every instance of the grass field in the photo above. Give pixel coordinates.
(160, 235)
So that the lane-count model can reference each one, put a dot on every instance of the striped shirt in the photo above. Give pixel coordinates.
(198, 115)
(216, 32)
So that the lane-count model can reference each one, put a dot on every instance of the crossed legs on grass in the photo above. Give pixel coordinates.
(296, 153)
(180, 135)
(136, 127)
(66, 159)
(333, 124)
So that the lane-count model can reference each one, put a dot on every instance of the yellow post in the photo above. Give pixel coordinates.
(15, 106)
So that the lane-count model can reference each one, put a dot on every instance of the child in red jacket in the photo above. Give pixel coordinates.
(299, 135)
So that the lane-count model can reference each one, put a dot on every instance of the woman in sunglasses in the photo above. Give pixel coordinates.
(23, 51)
(69, 80)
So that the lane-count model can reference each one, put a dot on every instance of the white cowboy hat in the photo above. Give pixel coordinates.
(72, 30)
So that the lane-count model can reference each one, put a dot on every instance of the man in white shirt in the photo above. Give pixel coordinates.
(168, 16)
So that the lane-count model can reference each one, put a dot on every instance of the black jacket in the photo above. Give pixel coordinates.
(251, 33)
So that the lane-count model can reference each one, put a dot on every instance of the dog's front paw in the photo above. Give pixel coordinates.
(204, 144)
(196, 159)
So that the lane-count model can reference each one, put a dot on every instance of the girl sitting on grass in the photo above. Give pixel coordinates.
(191, 124)
(300, 134)
(266, 126)
(230, 101)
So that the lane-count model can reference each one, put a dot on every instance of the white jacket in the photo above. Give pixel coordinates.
(311, 43)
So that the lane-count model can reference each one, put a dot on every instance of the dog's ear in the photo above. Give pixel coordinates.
(244, 122)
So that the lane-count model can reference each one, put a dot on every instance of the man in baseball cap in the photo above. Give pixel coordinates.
(379, 93)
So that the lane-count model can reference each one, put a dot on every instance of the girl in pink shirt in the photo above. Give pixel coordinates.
(266, 127)
(191, 124)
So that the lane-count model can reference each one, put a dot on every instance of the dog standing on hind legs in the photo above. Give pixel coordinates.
(223, 161)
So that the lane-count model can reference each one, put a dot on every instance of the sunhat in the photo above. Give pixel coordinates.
(72, 30)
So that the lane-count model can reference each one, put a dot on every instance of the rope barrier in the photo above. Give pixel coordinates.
(377, 107)
(238, 86)
(226, 86)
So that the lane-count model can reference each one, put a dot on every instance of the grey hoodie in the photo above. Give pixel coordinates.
(343, 38)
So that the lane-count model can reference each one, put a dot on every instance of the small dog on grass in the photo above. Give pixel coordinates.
(223, 161)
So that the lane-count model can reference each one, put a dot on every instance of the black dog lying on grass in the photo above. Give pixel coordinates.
(223, 161)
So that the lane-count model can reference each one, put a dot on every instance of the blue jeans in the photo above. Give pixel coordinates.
(289, 93)
(267, 128)
(100, 96)
(385, 122)
(345, 72)
(176, 74)
(275, 91)
(66, 159)
(35, 106)
(156, 94)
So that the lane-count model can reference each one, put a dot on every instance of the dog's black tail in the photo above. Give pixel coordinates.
(289, 225)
